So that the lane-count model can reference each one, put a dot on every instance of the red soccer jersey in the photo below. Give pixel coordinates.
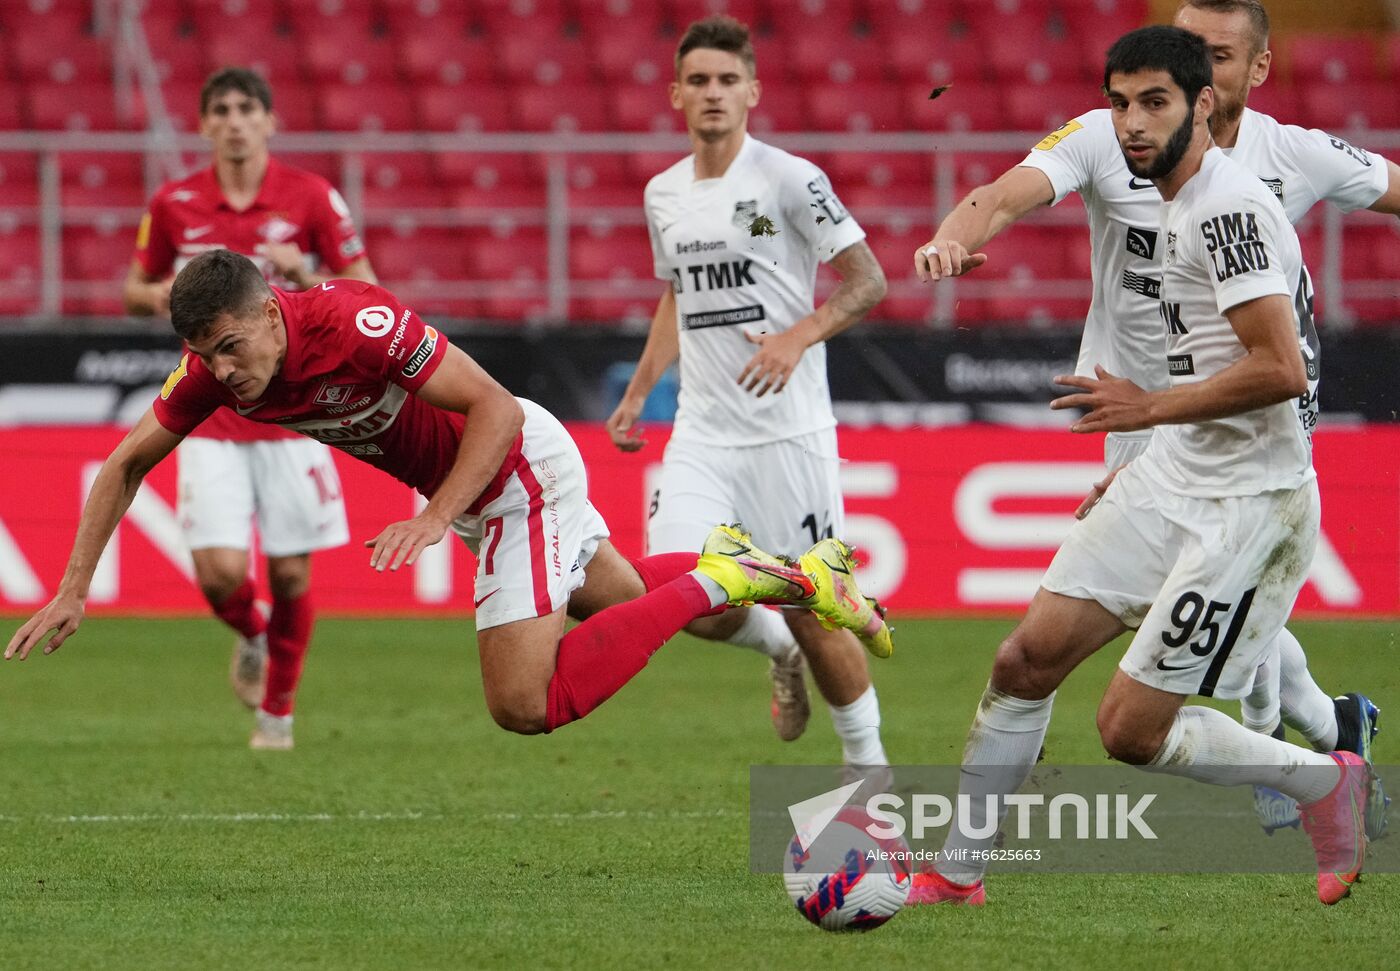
(355, 355)
(190, 216)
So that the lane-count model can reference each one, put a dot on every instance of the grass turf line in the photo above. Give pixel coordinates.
(406, 831)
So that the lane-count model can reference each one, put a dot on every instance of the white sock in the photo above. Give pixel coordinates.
(766, 632)
(1002, 746)
(1306, 707)
(718, 595)
(1260, 708)
(1210, 746)
(858, 727)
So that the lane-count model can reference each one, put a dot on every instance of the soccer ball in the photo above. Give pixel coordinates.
(846, 879)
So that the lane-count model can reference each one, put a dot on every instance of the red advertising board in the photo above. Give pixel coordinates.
(949, 520)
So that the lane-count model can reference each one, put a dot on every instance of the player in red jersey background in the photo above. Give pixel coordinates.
(298, 230)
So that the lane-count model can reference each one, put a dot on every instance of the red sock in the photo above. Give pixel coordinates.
(607, 650)
(288, 636)
(240, 612)
(661, 569)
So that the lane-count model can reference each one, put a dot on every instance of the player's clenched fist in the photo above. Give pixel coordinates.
(945, 257)
(622, 425)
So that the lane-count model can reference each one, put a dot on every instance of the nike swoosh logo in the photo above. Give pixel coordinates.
(250, 409)
(1133, 183)
(198, 231)
(478, 603)
(1174, 667)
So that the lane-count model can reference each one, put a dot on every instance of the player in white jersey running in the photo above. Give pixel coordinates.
(737, 230)
(1123, 331)
(1201, 543)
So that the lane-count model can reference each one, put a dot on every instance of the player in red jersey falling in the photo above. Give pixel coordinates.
(347, 364)
(298, 231)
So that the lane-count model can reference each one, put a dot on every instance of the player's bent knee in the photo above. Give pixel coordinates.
(289, 577)
(1019, 669)
(1126, 741)
(521, 715)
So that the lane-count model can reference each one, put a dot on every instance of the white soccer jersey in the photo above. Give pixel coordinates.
(1225, 241)
(1300, 166)
(729, 281)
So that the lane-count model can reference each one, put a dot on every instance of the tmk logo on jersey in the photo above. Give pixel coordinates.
(1233, 245)
(334, 394)
(1275, 186)
(1142, 242)
(715, 276)
(1171, 316)
(745, 213)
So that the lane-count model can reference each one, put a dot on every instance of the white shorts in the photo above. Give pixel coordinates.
(289, 485)
(787, 494)
(1120, 448)
(533, 541)
(1208, 583)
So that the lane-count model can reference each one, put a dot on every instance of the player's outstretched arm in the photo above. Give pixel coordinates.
(862, 287)
(112, 492)
(144, 296)
(494, 419)
(662, 348)
(985, 211)
(1271, 371)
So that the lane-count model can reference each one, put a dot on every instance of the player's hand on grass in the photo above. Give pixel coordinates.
(1096, 493)
(61, 616)
(622, 425)
(1115, 404)
(288, 260)
(399, 544)
(772, 365)
(945, 257)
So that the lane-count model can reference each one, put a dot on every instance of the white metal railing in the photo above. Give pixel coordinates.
(558, 215)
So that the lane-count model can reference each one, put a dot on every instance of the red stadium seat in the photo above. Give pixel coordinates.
(535, 56)
(631, 53)
(603, 180)
(973, 106)
(405, 251)
(1049, 106)
(372, 107)
(644, 165)
(20, 267)
(76, 58)
(1277, 100)
(446, 56)
(806, 18)
(516, 261)
(643, 107)
(973, 169)
(597, 17)
(745, 11)
(1390, 56)
(19, 180)
(12, 114)
(1337, 107)
(97, 259)
(110, 180)
(1033, 52)
(401, 180)
(457, 108)
(276, 56)
(838, 55)
(563, 109)
(182, 103)
(503, 17)
(936, 56)
(893, 243)
(878, 170)
(911, 200)
(864, 107)
(349, 20)
(348, 59)
(78, 107)
(779, 109)
(325, 164)
(487, 171)
(1331, 59)
(612, 266)
(241, 22)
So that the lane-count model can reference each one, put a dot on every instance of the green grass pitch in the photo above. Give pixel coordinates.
(406, 831)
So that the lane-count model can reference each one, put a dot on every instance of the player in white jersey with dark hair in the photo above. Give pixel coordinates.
(1203, 541)
(1123, 331)
(737, 231)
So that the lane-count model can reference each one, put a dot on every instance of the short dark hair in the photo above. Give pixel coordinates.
(241, 79)
(1258, 16)
(719, 33)
(1179, 52)
(213, 284)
